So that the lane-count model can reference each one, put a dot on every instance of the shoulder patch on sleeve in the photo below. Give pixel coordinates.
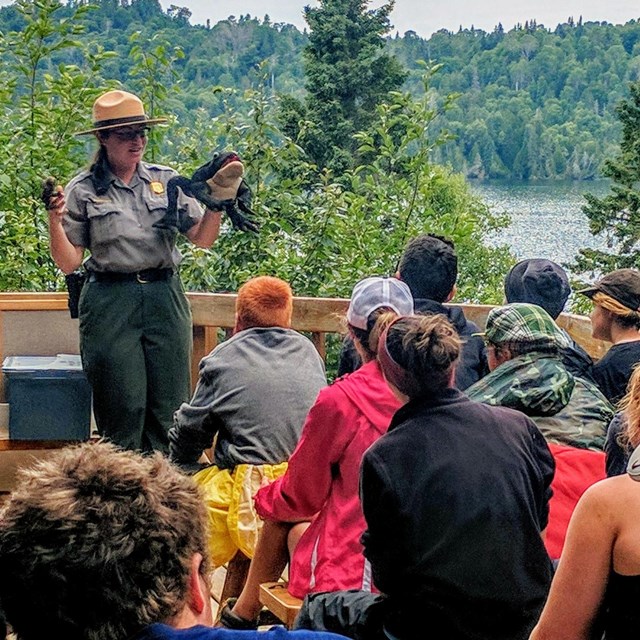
(159, 167)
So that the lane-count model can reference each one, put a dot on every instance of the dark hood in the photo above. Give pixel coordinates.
(455, 315)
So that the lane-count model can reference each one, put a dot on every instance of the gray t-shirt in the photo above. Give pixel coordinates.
(254, 391)
(117, 227)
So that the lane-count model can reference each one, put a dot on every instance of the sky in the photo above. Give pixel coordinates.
(427, 16)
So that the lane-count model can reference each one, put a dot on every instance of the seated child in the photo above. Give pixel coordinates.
(254, 391)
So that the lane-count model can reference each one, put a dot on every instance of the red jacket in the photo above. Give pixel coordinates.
(321, 483)
(576, 470)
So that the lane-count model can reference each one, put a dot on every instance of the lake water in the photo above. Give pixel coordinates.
(546, 216)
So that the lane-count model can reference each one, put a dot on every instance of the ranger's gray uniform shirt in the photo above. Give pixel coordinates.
(117, 227)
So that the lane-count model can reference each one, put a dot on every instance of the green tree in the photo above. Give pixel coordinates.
(401, 193)
(572, 75)
(320, 230)
(322, 234)
(617, 215)
(40, 107)
(151, 73)
(348, 74)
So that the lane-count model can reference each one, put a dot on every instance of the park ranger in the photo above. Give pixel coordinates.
(135, 321)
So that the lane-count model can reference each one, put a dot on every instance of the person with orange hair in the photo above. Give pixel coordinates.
(254, 392)
(312, 514)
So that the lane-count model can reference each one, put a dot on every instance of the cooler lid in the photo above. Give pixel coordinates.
(60, 362)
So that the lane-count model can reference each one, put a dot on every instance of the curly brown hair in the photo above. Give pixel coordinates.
(96, 543)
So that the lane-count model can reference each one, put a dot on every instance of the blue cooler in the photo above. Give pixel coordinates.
(49, 398)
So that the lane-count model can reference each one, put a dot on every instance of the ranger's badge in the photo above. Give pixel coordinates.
(157, 188)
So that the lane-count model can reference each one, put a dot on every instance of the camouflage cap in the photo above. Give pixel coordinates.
(524, 324)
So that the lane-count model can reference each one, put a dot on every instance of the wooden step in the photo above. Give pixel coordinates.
(275, 597)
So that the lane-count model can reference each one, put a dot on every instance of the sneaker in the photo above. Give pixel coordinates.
(230, 620)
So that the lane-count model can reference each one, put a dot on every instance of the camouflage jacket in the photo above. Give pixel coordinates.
(566, 409)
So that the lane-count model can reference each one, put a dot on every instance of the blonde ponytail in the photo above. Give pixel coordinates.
(368, 338)
(630, 404)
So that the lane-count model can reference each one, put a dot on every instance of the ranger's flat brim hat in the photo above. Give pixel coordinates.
(622, 285)
(116, 109)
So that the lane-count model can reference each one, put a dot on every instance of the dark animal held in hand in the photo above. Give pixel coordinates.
(220, 186)
(49, 188)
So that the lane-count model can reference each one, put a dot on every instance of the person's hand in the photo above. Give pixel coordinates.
(57, 204)
(53, 199)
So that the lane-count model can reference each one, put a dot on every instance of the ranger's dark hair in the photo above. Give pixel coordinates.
(429, 267)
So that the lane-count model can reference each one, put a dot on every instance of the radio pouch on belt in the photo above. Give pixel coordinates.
(74, 282)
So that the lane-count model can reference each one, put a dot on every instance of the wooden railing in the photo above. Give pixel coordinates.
(213, 311)
(39, 323)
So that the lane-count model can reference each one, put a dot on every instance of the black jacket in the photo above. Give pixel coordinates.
(473, 360)
(455, 496)
(577, 361)
(617, 454)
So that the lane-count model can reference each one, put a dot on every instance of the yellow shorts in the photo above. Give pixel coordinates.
(233, 522)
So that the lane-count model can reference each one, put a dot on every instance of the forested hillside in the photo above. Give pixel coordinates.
(333, 203)
(534, 102)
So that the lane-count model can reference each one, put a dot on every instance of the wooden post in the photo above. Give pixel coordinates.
(320, 343)
(205, 340)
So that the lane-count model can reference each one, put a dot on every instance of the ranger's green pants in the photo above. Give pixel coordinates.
(135, 341)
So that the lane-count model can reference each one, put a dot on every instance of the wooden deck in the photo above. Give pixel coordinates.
(39, 324)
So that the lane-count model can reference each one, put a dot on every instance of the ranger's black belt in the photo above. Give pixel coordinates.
(146, 275)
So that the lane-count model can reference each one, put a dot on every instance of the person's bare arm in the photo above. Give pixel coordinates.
(580, 581)
(205, 232)
(66, 255)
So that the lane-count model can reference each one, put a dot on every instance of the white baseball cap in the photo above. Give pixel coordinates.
(375, 292)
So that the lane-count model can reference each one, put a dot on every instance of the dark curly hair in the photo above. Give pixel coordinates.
(96, 543)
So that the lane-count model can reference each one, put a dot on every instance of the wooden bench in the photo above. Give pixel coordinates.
(275, 597)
